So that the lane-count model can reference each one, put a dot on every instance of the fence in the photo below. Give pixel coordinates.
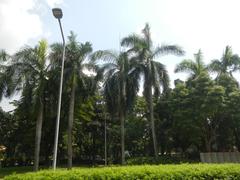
(220, 157)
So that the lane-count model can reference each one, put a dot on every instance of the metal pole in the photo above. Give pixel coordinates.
(59, 103)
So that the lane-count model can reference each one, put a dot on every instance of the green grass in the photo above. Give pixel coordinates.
(183, 171)
(14, 170)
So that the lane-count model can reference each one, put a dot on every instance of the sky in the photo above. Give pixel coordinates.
(208, 25)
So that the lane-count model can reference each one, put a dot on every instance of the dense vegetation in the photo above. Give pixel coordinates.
(185, 171)
(100, 90)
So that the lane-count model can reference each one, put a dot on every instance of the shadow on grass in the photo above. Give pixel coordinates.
(14, 170)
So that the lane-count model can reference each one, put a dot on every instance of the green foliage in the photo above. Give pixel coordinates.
(166, 172)
(163, 159)
(198, 115)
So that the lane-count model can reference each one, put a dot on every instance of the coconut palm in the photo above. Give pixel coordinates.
(154, 73)
(195, 68)
(3, 55)
(28, 67)
(74, 77)
(3, 75)
(228, 64)
(120, 87)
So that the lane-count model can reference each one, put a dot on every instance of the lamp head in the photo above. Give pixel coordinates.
(57, 13)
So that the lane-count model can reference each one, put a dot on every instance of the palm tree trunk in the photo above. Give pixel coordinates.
(152, 121)
(38, 137)
(70, 126)
(122, 119)
(105, 140)
(122, 137)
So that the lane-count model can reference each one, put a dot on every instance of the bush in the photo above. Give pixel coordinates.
(160, 160)
(166, 172)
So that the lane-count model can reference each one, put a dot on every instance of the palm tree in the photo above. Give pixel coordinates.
(119, 87)
(4, 78)
(74, 76)
(228, 64)
(155, 73)
(29, 68)
(3, 55)
(195, 68)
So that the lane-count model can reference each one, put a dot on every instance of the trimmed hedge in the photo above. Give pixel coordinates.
(166, 172)
(160, 160)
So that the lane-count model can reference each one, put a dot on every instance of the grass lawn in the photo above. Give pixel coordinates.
(182, 171)
(12, 170)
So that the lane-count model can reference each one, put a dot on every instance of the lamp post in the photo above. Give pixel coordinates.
(57, 13)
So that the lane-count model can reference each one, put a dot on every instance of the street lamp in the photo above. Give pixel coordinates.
(57, 13)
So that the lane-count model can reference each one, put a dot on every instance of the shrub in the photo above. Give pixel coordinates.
(160, 160)
(166, 172)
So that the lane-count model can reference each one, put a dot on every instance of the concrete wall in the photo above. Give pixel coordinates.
(220, 157)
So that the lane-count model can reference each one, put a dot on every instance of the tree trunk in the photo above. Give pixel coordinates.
(208, 145)
(122, 119)
(38, 137)
(105, 140)
(122, 137)
(235, 132)
(152, 122)
(70, 126)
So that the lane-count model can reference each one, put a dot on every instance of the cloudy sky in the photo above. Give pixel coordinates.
(192, 24)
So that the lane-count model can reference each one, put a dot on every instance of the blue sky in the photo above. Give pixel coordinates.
(192, 24)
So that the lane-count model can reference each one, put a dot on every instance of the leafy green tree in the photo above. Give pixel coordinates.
(234, 114)
(137, 138)
(185, 130)
(74, 76)
(155, 73)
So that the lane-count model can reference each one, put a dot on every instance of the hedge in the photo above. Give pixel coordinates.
(160, 160)
(166, 172)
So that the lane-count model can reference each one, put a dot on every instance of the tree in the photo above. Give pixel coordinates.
(155, 73)
(195, 68)
(4, 78)
(228, 64)
(119, 86)
(74, 76)
(29, 69)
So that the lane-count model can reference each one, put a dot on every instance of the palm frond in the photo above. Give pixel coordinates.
(106, 56)
(186, 65)
(133, 41)
(161, 76)
(215, 66)
(168, 49)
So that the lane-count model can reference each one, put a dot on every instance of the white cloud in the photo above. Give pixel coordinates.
(20, 24)
(54, 3)
(17, 24)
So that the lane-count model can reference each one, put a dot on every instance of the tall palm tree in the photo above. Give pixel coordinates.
(228, 64)
(28, 67)
(4, 78)
(195, 68)
(119, 86)
(155, 73)
(74, 77)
